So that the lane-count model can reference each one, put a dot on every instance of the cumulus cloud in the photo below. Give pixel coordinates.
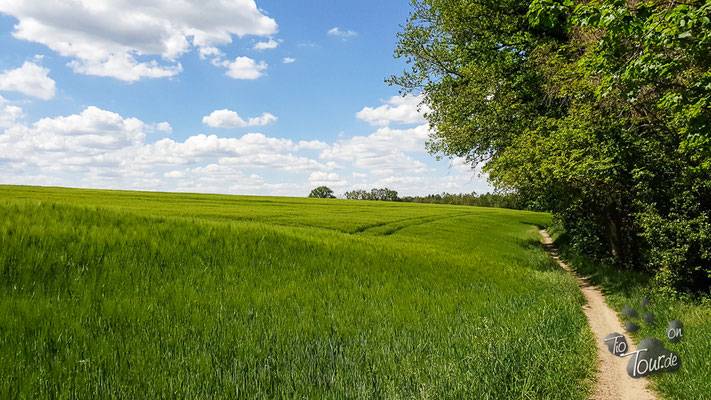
(320, 178)
(124, 67)
(201, 147)
(406, 110)
(312, 145)
(93, 130)
(242, 68)
(215, 178)
(174, 174)
(100, 148)
(265, 119)
(382, 141)
(115, 37)
(9, 114)
(230, 119)
(277, 161)
(253, 150)
(270, 44)
(164, 127)
(382, 152)
(107, 150)
(30, 79)
(336, 31)
(288, 60)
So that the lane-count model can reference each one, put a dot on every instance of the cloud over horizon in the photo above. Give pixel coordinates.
(100, 148)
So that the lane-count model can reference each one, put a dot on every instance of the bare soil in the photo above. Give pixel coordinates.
(612, 381)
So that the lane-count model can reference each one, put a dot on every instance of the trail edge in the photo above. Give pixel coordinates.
(612, 381)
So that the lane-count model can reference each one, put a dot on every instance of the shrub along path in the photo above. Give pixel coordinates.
(612, 379)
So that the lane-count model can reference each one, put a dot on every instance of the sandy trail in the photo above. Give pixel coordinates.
(612, 379)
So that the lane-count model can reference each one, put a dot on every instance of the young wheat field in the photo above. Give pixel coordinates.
(116, 294)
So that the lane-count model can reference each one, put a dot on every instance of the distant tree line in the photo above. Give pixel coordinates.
(384, 194)
(500, 200)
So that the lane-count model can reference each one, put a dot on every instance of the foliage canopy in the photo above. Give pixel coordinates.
(322, 192)
(597, 111)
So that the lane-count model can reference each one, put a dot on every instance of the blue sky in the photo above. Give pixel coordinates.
(220, 96)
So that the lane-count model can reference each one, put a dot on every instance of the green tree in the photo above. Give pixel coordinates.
(597, 111)
(384, 194)
(322, 192)
(359, 194)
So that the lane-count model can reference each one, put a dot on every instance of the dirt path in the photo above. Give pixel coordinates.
(612, 379)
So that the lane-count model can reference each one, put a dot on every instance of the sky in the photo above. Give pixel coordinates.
(215, 96)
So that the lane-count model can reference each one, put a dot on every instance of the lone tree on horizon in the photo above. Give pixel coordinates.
(322, 192)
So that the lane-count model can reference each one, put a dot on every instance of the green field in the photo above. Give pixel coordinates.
(108, 294)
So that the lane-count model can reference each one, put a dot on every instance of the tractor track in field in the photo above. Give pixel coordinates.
(612, 381)
(398, 224)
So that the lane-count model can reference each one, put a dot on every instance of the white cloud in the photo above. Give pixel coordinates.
(202, 147)
(102, 149)
(175, 174)
(164, 127)
(124, 67)
(210, 51)
(382, 152)
(270, 44)
(242, 68)
(288, 60)
(277, 161)
(312, 145)
(30, 79)
(93, 149)
(265, 119)
(9, 114)
(319, 178)
(336, 31)
(215, 178)
(253, 150)
(224, 119)
(382, 141)
(91, 132)
(401, 109)
(114, 37)
(230, 119)
(99, 148)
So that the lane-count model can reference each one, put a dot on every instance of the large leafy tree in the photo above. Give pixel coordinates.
(597, 111)
(322, 192)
